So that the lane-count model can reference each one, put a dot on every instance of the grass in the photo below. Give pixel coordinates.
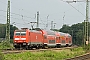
(46, 55)
(1, 56)
(43, 55)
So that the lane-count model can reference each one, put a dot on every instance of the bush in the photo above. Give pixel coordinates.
(5, 45)
(11, 40)
(87, 48)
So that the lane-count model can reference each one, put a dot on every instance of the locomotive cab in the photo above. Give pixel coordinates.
(20, 38)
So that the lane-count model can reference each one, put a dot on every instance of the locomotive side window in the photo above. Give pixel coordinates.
(23, 33)
(17, 33)
(45, 37)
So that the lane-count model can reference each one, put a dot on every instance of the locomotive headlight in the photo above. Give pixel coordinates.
(15, 41)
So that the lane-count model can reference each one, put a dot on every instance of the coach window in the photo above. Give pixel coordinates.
(66, 38)
(63, 41)
(57, 38)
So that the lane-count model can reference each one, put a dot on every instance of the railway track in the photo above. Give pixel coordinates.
(81, 57)
(10, 51)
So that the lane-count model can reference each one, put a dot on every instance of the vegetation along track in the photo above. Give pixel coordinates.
(10, 51)
(81, 57)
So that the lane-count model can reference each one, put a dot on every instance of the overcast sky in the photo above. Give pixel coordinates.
(55, 10)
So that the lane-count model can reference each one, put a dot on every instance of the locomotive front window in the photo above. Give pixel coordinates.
(20, 33)
(17, 33)
(23, 33)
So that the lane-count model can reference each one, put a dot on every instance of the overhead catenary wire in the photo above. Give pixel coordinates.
(13, 6)
(15, 13)
(18, 14)
(23, 15)
(75, 8)
(13, 17)
(34, 18)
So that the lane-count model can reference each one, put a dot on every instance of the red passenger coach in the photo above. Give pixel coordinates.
(48, 38)
(66, 39)
(70, 39)
(51, 37)
(58, 40)
(63, 39)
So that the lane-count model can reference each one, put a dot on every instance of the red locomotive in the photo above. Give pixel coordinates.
(26, 38)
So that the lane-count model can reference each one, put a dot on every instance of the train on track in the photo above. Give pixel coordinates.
(39, 38)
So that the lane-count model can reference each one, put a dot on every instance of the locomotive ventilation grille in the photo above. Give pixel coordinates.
(51, 41)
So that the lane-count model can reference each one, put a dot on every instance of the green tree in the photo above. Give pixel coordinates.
(65, 29)
(3, 30)
(77, 32)
(79, 37)
(54, 29)
(12, 28)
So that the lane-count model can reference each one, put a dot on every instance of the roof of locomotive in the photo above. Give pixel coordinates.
(20, 30)
(35, 31)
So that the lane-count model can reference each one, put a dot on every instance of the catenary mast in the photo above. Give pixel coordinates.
(86, 22)
(8, 22)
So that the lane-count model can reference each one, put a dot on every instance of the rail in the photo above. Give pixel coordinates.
(81, 57)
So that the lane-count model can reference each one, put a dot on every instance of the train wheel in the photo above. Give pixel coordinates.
(16, 47)
(27, 47)
(43, 47)
(67, 45)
